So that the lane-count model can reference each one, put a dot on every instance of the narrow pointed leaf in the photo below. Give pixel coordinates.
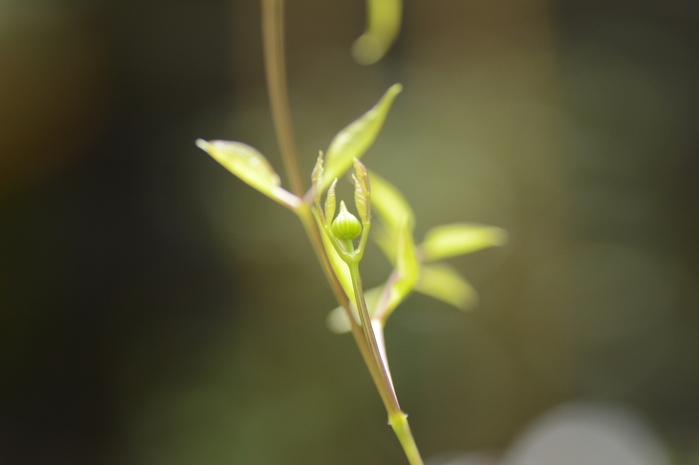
(361, 200)
(355, 139)
(444, 283)
(317, 173)
(330, 203)
(251, 167)
(460, 238)
(383, 25)
(362, 191)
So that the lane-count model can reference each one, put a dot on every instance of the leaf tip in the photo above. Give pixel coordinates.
(396, 88)
(202, 144)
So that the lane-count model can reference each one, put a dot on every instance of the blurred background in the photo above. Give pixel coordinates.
(156, 310)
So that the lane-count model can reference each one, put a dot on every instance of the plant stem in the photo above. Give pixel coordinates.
(273, 41)
(275, 66)
(386, 386)
(400, 426)
(314, 236)
(396, 418)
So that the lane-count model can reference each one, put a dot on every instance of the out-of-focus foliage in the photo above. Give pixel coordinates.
(393, 209)
(383, 25)
(457, 239)
(443, 282)
(406, 273)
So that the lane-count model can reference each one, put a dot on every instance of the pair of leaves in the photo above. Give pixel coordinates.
(248, 164)
(413, 267)
(437, 280)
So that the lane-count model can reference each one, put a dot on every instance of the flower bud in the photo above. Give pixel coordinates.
(346, 226)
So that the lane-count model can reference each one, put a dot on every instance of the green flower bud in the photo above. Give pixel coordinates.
(346, 226)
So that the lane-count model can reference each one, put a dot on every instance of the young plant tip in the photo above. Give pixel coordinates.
(364, 313)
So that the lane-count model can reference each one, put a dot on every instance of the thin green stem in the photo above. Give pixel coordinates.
(386, 386)
(363, 239)
(396, 418)
(314, 236)
(400, 426)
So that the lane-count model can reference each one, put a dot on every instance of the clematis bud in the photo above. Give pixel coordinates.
(346, 226)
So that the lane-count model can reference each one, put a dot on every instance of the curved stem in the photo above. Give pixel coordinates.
(275, 67)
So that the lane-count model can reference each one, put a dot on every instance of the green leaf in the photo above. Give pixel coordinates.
(362, 191)
(460, 238)
(330, 203)
(444, 283)
(317, 173)
(383, 25)
(251, 167)
(355, 139)
(392, 208)
(386, 242)
(390, 204)
(405, 275)
(339, 266)
(337, 319)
